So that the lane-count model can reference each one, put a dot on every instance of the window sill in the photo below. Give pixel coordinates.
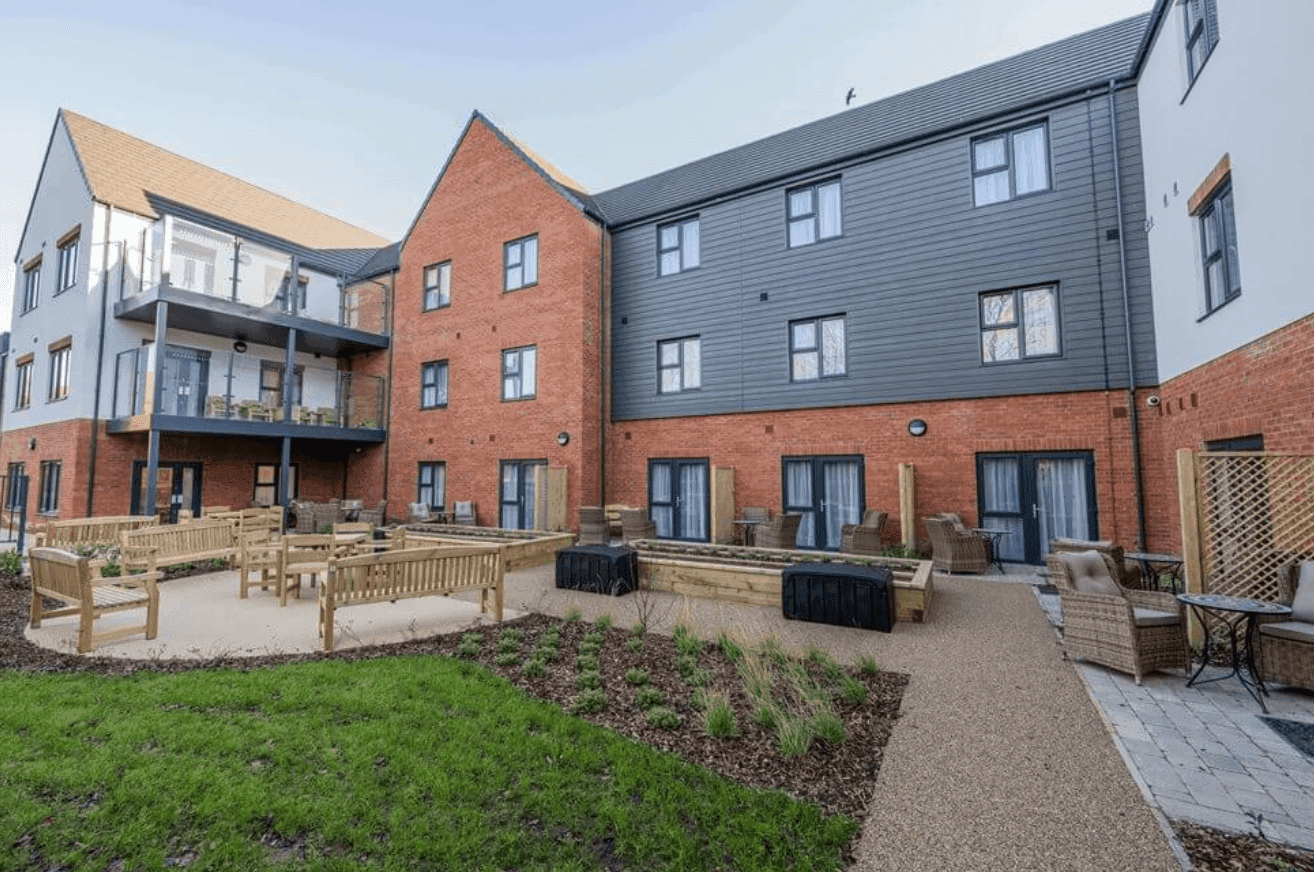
(1219, 307)
(813, 381)
(519, 288)
(433, 408)
(1028, 196)
(519, 399)
(438, 308)
(1035, 358)
(804, 245)
(678, 272)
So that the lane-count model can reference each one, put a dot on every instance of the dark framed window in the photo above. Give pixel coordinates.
(23, 384)
(271, 383)
(679, 498)
(31, 286)
(518, 494)
(1019, 324)
(677, 246)
(1011, 164)
(68, 264)
(49, 487)
(437, 286)
(817, 348)
(815, 213)
(280, 298)
(1200, 26)
(519, 373)
(265, 492)
(13, 485)
(433, 384)
(431, 485)
(679, 365)
(1222, 267)
(60, 359)
(521, 262)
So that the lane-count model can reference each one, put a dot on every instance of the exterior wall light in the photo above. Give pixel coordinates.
(239, 346)
(563, 438)
(917, 427)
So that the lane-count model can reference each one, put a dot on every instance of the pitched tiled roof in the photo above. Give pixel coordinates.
(1047, 73)
(126, 172)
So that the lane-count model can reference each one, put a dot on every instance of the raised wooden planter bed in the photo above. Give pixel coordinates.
(520, 548)
(752, 575)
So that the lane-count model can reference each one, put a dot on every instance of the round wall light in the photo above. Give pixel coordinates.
(239, 346)
(563, 438)
(917, 427)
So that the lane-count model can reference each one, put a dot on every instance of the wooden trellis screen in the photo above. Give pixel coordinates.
(1244, 514)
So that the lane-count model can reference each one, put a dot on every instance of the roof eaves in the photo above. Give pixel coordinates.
(1157, 16)
(59, 119)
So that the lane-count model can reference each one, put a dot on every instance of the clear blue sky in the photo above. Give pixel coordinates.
(352, 107)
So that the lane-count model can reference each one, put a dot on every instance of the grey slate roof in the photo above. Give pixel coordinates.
(1068, 66)
(384, 260)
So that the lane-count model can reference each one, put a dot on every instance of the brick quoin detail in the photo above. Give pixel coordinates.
(487, 196)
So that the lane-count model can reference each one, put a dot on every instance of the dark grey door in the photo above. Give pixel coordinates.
(1037, 497)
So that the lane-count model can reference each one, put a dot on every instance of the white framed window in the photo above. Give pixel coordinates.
(815, 213)
(431, 484)
(679, 365)
(437, 286)
(677, 246)
(817, 348)
(433, 385)
(1010, 165)
(1019, 324)
(1222, 266)
(60, 359)
(1200, 27)
(31, 286)
(68, 263)
(519, 373)
(521, 262)
(23, 383)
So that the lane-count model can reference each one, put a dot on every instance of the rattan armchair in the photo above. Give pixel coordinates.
(635, 524)
(1132, 631)
(778, 532)
(1286, 648)
(1129, 572)
(955, 549)
(592, 525)
(465, 512)
(864, 538)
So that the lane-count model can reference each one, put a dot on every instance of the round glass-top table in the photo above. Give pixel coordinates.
(1233, 611)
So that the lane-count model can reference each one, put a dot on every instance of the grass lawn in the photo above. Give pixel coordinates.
(414, 762)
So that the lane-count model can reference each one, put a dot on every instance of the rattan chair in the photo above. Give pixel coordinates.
(465, 513)
(1132, 631)
(1129, 572)
(955, 549)
(1286, 647)
(592, 525)
(417, 513)
(635, 524)
(864, 538)
(779, 532)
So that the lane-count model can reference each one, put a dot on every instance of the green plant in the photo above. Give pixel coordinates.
(573, 614)
(662, 717)
(698, 678)
(506, 658)
(603, 622)
(11, 564)
(586, 662)
(828, 726)
(688, 645)
(635, 644)
(586, 680)
(648, 696)
(679, 631)
(511, 634)
(867, 664)
(766, 715)
(111, 570)
(639, 628)
(719, 720)
(590, 700)
(534, 668)
(729, 647)
(793, 736)
(901, 551)
(686, 663)
(852, 690)
(180, 567)
(324, 528)
(636, 676)
(218, 563)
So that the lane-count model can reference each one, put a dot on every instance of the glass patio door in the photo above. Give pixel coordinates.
(177, 487)
(186, 373)
(678, 499)
(519, 497)
(828, 492)
(1037, 497)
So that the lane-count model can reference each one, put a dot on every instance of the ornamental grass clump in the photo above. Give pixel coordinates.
(586, 662)
(828, 726)
(867, 664)
(534, 668)
(730, 648)
(506, 658)
(470, 645)
(588, 680)
(604, 622)
(793, 736)
(636, 676)
(766, 715)
(852, 690)
(589, 701)
(719, 719)
(574, 614)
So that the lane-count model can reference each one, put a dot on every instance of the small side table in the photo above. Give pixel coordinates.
(1246, 610)
(1154, 565)
(993, 536)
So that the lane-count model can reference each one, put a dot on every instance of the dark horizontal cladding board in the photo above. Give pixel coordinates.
(915, 254)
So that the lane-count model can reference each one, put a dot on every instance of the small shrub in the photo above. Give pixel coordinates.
(587, 680)
(635, 644)
(828, 726)
(504, 645)
(698, 699)
(636, 676)
(180, 567)
(698, 678)
(771, 648)
(603, 622)
(719, 720)
(679, 631)
(662, 717)
(590, 700)
(472, 638)
(793, 736)
(546, 652)
(218, 563)
(513, 634)
(648, 696)
(688, 645)
(852, 690)
(467, 650)
(535, 668)
(586, 663)
(686, 663)
(901, 551)
(639, 628)
(867, 664)
(506, 658)
(11, 564)
(324, 528)
(573, 615)
(593, 637)
(111, 570)
(730, 648)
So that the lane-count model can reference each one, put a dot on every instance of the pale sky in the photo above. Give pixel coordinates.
(352, 108)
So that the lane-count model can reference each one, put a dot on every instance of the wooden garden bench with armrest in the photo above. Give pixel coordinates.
(76, 583)
(153, 548)
(79, 532)
(412, 572)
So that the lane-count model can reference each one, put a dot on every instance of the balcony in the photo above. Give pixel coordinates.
(242, 394)
(226, 285)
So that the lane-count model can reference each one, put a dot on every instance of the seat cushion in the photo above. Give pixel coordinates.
(1296, 631)
(1153, 618)
(1302, 607)
(1089, 573)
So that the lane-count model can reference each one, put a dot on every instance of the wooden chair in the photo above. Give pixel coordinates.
(259, 561)
(592, 525)
(68, 578)
(1132, 631)
(1286, 647)
(864, 538)
(302, 554)
(636, 524)
(955, 549)
(465, 513)
(778, 532)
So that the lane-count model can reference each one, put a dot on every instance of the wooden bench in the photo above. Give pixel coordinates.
(90, 532)
(152, 548)
(412, 572)
(68, 578)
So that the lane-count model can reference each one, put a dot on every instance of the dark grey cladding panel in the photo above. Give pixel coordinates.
(1031, 78)
(907, 273)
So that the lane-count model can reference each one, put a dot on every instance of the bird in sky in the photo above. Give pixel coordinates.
(848, 98)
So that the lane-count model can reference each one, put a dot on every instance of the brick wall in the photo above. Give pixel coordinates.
(488, 196)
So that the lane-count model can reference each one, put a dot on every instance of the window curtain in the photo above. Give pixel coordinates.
(510, 507)
(529, 504)
(841, 483)
(798, 497)
(999, 492)
(829, 214)
(1061, 488)
(693, 501)
(661, 510)
(1029, 161)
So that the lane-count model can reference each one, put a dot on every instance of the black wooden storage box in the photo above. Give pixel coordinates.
(838, 593)
(598, 569)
